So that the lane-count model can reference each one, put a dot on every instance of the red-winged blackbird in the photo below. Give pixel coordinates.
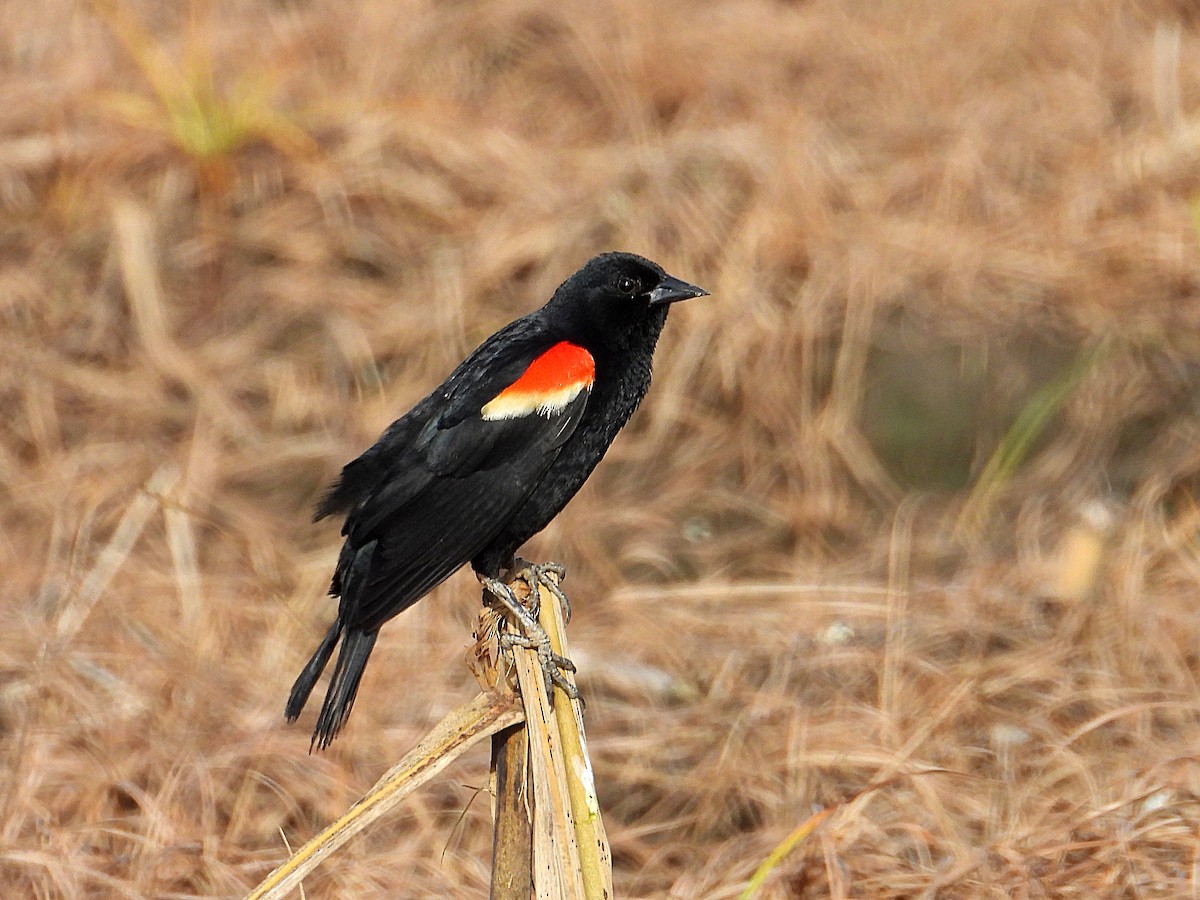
(487, 459)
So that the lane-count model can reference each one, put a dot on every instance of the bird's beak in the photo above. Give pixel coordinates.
(671, 289)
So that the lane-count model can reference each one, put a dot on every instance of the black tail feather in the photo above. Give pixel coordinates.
(307, 678)
(353, 572)
(343, 685)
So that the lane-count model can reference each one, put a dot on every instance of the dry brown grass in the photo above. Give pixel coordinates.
(911, 216)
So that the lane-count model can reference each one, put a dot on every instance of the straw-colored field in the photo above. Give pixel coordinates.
(906, 528)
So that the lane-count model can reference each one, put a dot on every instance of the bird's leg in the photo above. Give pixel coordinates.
(538, 573)
(534, 638)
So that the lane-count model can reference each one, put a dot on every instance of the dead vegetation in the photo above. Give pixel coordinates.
(911, 505)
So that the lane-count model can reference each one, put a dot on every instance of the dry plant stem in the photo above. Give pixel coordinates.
(115, 552)
(461, 729)
(595, 855)
(512, 840)
(557, 868)
(570, 850)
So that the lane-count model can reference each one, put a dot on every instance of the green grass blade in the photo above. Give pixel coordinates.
(1030, 424)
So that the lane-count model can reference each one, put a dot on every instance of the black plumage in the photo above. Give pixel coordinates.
(487, 459)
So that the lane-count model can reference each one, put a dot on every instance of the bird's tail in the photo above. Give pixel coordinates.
(307, 678)
(353, 571)
(343, 686)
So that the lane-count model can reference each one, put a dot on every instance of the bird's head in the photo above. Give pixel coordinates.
(616, 299)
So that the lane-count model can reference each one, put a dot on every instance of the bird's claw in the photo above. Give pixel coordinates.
(552, 663)
(536, 574)
(535, 636)
(504, 593)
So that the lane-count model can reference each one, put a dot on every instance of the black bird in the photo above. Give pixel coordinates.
(487, 459)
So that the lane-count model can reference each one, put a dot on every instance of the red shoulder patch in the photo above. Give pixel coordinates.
(563, 365)
(552, 381)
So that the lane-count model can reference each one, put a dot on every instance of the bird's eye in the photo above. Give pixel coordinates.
(627, 286)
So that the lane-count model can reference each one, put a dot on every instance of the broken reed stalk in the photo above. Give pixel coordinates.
(595, 854)
(570, 853)
(512, 836)
(549, 840)
(489, 712)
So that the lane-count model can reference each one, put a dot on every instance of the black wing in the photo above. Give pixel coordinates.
(477, 475)
(443, 481)
(495, 364)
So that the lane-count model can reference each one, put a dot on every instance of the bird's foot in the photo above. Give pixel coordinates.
(552, 664)
(535, 574)
(534, 638)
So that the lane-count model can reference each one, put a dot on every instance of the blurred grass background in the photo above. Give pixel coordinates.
(915, 488)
